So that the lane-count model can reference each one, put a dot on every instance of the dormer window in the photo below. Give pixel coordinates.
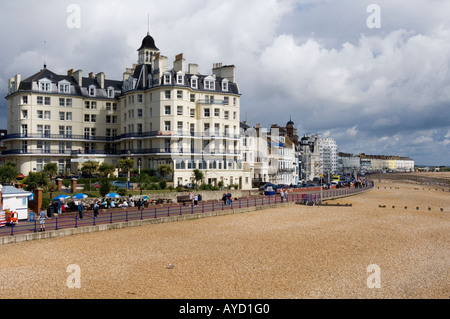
(209, 83)
(44, 85)
(91, 90)
(225, 85)
(64, 87)
(194, 82)
(111, 92)
(180, 78)
(167, 78)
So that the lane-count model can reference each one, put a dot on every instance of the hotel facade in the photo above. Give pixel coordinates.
(155, 115)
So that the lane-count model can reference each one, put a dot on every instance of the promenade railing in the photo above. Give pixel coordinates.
(111, 216)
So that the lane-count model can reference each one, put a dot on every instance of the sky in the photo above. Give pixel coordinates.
(374, 75)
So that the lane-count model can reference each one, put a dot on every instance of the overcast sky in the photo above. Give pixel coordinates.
(381, 89)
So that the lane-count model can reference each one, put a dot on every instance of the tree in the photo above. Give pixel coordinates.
(126, 165)
(51, 169)
(36, 180)
(198, 176)
(105, 187)
(165, 170)
(106, 169)
(89, 168)
(8, 173)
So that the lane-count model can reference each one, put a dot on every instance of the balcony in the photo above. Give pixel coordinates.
(210, 101)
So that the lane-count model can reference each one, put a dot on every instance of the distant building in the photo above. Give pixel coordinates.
(328, 155)
(312, 165)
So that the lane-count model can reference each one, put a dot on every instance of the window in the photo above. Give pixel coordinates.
(40, 130)
(69, 102)
(167, 126)
(40, 115)
(47, 101)
(47, 115)
(62, 129)
(111, 92)
(24, 99)
(192, 113)
(180, 78)
(167, 78)
(206, 129)
(108, 106)
(62, 102)
(226, 100)
(24, 130)
(62, 116)
(139, 113)
(93, 118)
(225, 85)
(139, 128)
(194, 82)
(226, 115)
(91, 90)
(114, 106)
(209, 83)
(217, 112)
(87, 117)
(24, 114)
(179, 110)
(47, 130)
(167, 110)
(180, 126)
(108, 119)
(139, 98)
(63, 87)
(69, 116)
(87, 105)
(206, 113)
(40, 100)
(179, 94)
(93, 105)
(234, 115)
(167, 94)
(192, 98)
(44, 85)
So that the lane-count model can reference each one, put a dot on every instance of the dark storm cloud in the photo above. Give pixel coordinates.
(382, 90)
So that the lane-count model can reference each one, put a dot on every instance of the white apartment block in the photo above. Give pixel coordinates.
(154, 115)
(328, 155)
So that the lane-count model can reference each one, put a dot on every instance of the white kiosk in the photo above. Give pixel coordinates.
(16, 200)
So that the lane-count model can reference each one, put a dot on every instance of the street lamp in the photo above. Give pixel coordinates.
(139, 172)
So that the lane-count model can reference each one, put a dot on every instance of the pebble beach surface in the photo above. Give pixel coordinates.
(296, 252)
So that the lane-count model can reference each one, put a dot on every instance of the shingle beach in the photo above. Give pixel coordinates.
(297, 252)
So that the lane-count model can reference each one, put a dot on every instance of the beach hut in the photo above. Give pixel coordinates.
(16, 200)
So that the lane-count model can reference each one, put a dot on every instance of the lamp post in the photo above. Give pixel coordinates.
(139, 172)
(128, 172)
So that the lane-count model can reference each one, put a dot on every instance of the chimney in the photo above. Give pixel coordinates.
(100, 77)
(70, 72)
(91, 75)
(180, 63)
(78, 75)
(193, 68)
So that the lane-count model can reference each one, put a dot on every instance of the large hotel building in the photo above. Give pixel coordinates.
(154, 115)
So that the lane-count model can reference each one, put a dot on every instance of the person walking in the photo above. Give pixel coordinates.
(224, 199)
(195, 200)
(80, 209)
(59, 206)
(191, 198)
(96, 207)
(229, 199)
(42, 218)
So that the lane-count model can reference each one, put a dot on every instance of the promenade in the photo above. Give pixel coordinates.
(70, 223)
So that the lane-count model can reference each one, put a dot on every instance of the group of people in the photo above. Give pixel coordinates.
(283, 195)
(227, 199)
(194, 199)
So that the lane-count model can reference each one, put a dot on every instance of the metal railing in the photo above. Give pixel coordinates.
(110, 216)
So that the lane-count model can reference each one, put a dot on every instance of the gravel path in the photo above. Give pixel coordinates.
(295, 252)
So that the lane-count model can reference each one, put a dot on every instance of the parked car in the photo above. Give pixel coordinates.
(119, 184)
(96, 184)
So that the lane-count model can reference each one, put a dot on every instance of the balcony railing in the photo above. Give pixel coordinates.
(151, 151)
(211, 101)
(181, 134)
